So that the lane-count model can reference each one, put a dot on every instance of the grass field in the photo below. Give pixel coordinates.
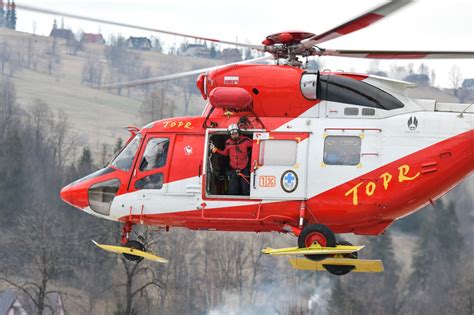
(95, 116)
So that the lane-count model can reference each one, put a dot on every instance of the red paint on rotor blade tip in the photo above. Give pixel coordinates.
(396, 56)
(267, 42)
(285, 37)
(364, 21)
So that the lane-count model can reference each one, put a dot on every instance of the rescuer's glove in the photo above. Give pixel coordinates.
(213, 147)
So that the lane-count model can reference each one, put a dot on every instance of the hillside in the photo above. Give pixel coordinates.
(96, 116)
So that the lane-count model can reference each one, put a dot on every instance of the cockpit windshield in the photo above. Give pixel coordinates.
(124, 160)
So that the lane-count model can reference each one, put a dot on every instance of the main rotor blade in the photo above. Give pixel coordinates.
(144, 28)
(177, 75)
(357, 23)
(393, 54)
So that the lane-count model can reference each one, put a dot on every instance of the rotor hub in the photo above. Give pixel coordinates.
(287, 38)
(288, 45)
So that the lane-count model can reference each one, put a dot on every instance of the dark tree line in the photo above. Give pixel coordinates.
(8, 17)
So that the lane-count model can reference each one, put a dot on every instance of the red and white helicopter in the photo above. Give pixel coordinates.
(332, 152)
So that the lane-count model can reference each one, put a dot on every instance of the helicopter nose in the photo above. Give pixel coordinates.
(75, 195)
(66, 195)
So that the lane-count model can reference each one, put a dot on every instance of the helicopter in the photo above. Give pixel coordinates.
(330, 153)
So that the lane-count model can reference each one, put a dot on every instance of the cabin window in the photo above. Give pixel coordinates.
(278, 152)
(154, 181)
(155, 154)
(341, 89)
(342, 150)
(351, 111)
(124, 160)
(102, 194)
(368, 111)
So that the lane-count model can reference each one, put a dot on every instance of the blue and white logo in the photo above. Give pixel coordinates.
(289, 181)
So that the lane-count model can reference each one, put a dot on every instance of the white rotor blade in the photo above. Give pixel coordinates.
(358, 22)
(387, 54)
(144, 28)
(178, 75)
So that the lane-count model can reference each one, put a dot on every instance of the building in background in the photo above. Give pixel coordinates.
(197, 50)
(91, 38)
(139, 43)
(16, 302)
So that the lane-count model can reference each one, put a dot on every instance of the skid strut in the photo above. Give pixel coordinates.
(302, 214)
(126, 230)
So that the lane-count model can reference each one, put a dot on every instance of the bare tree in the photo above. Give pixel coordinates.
(8, 106)
(4, 56)
(42, 256)
(158, 105)
(93, 71)
(53, 59)
(139, 277)
(455, 76)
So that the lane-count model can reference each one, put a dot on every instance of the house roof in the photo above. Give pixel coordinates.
(62, 33)
(92, 38)
(7, 298)
(139, 41)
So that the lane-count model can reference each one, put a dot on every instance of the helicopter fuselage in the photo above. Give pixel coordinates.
(352, 152)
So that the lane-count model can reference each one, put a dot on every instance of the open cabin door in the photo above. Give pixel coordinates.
(279, 165)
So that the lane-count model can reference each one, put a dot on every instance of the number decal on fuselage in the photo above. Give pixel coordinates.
(267, 181)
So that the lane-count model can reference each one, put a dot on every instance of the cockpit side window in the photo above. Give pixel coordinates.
(155, 154)
(124, 160)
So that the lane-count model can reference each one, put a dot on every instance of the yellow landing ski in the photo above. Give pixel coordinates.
(313, 250)
(130, 251)
(360, 265)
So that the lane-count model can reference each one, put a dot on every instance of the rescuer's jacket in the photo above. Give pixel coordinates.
(237, 151)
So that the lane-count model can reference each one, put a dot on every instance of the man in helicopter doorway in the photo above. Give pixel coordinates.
(237, 148)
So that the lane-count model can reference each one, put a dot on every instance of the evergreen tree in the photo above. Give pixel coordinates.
(7, 15)
(213, 52)
(118, 145)
(85, 165)
(2, 14)
(440, 248)
(12, 20)
(55, 24)
(12, 167)
(382, 248)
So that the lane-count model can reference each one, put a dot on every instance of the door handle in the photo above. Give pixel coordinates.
(255, 168)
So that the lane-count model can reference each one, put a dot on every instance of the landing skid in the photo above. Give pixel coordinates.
(338, 260)
(314, 249)
(131, 251)
(359, 265)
